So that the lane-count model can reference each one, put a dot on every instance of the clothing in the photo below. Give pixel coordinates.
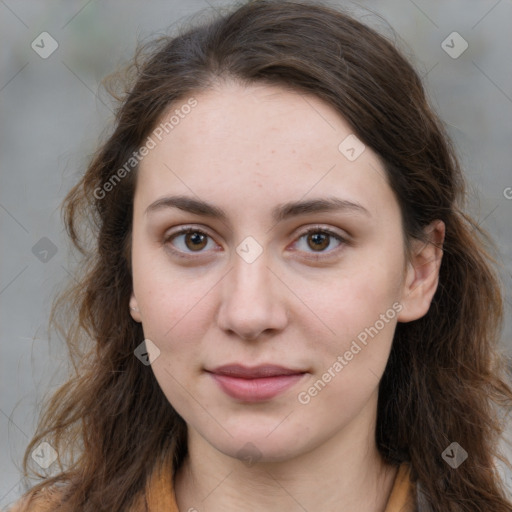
(160, 497)
(402, 497)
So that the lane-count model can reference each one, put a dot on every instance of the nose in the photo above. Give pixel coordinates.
(252, 300)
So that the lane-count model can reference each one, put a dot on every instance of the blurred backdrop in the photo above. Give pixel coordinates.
(53, 55)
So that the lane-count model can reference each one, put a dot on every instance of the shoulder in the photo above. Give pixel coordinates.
(44, 500)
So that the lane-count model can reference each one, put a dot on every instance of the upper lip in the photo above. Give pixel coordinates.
(255, 372)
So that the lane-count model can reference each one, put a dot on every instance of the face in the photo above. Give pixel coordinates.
(315, 290)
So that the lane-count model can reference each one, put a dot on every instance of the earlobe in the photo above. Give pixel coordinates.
(422, 274)
(134, 309)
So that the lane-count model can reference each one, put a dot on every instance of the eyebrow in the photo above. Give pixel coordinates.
(279, 213)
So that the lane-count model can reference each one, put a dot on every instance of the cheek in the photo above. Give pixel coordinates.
(169, 299)
(348, 368)
(171, 316)
(360, 311)
(357, 300)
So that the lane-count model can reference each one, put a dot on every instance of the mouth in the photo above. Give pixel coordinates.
(255, 384)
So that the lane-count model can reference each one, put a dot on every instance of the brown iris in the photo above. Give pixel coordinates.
(321, 240)
(197, 239)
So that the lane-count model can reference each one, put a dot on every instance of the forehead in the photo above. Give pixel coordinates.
(260, 142)
(260, 115)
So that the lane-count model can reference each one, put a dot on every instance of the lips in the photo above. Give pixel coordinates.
(255, 384)
(244, 372)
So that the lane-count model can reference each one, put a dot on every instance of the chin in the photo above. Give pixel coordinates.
(258, 446)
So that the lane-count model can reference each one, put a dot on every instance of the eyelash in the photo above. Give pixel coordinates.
(316, 256)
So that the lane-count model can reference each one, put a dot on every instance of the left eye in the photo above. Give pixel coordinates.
(320, 239)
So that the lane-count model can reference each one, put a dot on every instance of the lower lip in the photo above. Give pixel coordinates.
(256, 390)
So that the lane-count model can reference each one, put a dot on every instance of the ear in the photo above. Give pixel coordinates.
(134, 308)
(422, 273)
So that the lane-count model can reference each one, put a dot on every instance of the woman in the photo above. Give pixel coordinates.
(286, 308)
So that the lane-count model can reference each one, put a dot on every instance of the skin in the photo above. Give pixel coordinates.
(247, 149)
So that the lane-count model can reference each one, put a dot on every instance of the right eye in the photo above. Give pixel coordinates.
(187, 240)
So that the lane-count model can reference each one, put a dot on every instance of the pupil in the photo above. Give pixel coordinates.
(196, 239)
(318, 238)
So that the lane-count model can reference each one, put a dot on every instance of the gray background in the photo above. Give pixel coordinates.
(52, 115)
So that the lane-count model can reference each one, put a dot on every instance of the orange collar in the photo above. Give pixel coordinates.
(160, 495)
(401, 498)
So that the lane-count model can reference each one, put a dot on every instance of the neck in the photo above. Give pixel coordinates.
(347, 469)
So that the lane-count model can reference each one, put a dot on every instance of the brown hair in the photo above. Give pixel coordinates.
(110, 422)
